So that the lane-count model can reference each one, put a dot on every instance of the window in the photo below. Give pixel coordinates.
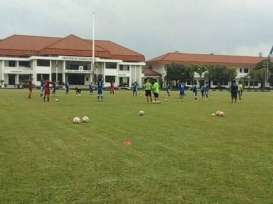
(246, 83)
(241, 70)
(24, 78)
(111, 65)
(41, 77)
(188, 83)
(254, 83)
(43, 63)
(124, 81)
(71, 65)
(11, 64)
(124, 67)
(246, 71)
(60, 77)
(24, 64)
(215, 83)
(109, 79)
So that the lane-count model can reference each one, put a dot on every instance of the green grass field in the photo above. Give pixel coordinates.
(179, 152)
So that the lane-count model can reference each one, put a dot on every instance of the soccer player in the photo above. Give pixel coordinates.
(29, 89)
(78, 91)
(240, 90)
(112, 88)
(66, 86)
(202, 89)
(90, 88)
(42, 88)
(168, 89)
(155, 89)
(47, 90)
(234, 91)
(148, 90)
(181, 88)
(194, 90)
(100, 89)
(207, 90)
(135, 88)
(53, 88)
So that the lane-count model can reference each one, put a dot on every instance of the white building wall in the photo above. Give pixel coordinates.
(2, 76)
(57, 65)
(241, 72)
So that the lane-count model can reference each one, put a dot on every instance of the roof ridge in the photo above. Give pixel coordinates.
(6, 38)
(222, 55)
(160, 57)
(119, 45)
(60, 40)
(90, 41)
(38, 36)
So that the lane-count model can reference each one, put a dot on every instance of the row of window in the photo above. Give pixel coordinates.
(111, 65)
(123, 81)
(244, 70)
(69, 65)
(41, 63)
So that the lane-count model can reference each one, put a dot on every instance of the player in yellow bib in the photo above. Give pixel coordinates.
(148, 90)
(240, 90)
(155, 90)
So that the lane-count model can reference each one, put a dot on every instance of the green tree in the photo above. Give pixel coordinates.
(179, 72)
(200, 69)
(264, 63)
(259, 73)
(221, 74)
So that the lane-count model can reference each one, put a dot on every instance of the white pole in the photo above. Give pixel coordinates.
(56, 64)
(267, 68)
(93, 40)
(93, 48)
(267, 73)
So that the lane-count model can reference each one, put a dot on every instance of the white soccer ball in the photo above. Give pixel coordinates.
(213, 114)
(141, 113)
(218, 113)
(221, 114)
(76, 120)
(85, 119)
(57, 100)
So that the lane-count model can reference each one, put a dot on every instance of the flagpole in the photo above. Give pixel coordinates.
(93, 42)
(93, 39)
(267, 65)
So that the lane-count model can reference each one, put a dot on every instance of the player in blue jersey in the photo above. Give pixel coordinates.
(66, 86)
(135, 88)
(100, 89)
(206, 87)
(195, 91)
(181, 88)
(202, 89)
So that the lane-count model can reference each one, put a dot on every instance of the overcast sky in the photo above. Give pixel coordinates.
(152, 27)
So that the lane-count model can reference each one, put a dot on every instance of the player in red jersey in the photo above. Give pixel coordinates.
(112, 88)
(29, 89)
(47, 90)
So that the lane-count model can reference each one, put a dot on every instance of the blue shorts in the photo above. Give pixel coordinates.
(99, 91)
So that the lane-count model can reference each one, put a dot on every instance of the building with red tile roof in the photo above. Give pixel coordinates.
(242, 64)
(67, 59)
(206, 59)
